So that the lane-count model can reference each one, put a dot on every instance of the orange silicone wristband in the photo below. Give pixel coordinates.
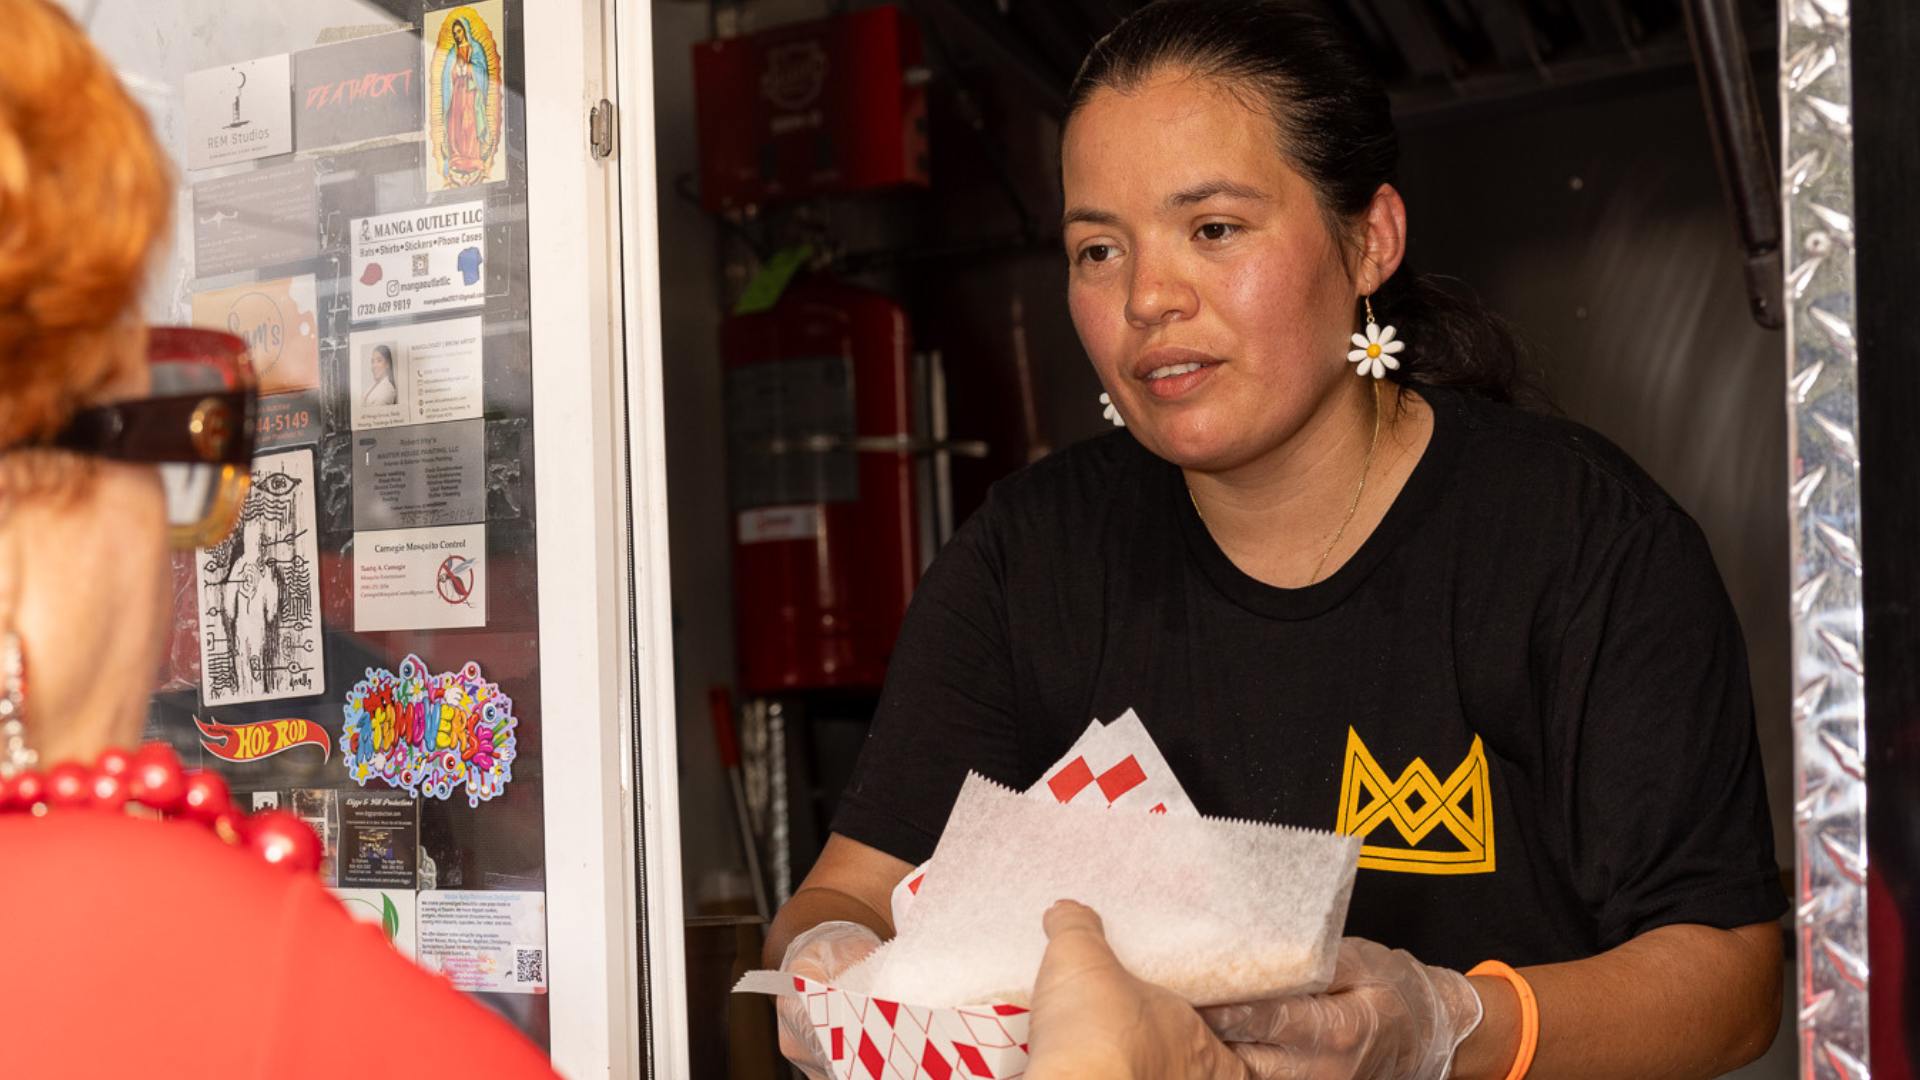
(1529, 1014)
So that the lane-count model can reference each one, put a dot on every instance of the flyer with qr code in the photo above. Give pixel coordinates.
(484, 941)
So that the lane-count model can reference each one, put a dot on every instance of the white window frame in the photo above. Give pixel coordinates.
(605, 649)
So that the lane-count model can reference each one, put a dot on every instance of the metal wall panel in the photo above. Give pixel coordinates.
(1824, 501)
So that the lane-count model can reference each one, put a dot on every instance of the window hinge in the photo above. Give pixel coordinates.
(600, 130)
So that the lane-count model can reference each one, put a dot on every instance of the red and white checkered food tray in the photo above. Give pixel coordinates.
(865, 1038)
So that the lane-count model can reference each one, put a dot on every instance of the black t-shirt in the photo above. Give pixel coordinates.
(1527, 691)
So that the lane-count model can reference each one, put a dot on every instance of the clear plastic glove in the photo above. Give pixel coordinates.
(1093, 1020)
(1385, 1015)
(819, 954)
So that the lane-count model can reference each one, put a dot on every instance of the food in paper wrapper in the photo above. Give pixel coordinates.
(1113, 765)
(1214, 910)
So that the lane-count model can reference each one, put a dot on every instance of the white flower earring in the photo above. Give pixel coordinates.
(1374, 351)
(1111, 413)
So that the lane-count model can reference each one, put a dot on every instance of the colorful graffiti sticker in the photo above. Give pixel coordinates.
(251, 742)
(430, 734)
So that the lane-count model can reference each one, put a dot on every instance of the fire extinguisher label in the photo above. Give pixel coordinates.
(790, 433)
(770, 523)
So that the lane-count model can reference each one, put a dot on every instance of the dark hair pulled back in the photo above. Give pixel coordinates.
(1292, 61)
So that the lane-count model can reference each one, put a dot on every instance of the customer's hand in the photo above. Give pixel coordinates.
(820, 954)
(1385, 1015)
(1092, 1019)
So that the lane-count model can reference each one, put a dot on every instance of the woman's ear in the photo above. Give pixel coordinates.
(1384, 239)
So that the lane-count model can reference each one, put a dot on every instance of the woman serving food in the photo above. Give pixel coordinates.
(1348, 585)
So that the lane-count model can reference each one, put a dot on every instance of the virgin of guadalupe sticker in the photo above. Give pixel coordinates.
(259, 623)
(466, 95)
(431, 734)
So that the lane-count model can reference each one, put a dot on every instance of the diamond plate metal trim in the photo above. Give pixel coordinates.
(1829, 676)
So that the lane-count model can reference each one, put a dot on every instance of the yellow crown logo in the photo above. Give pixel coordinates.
(1461, 806)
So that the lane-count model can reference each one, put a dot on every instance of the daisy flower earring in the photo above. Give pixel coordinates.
(1374, 350)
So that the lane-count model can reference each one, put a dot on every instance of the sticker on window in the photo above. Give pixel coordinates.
(430, 735)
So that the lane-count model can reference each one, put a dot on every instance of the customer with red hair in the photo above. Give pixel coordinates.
(147, 928)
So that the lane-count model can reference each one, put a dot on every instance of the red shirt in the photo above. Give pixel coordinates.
(151, 949)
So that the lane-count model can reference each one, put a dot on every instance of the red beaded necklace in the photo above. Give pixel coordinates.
(153, 778)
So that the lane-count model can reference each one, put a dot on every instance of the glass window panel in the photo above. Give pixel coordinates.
(364, 649)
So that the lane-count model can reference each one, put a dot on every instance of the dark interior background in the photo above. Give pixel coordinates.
(1556, 158)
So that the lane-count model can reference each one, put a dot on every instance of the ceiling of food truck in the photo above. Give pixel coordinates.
(1435, 54)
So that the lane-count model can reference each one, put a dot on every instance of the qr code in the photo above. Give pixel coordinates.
(529, 966)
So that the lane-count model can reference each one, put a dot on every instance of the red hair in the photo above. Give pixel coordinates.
(84, 193)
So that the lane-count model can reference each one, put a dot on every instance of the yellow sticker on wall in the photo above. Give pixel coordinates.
(276, 319)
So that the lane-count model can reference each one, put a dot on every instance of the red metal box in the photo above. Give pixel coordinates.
(815, 108)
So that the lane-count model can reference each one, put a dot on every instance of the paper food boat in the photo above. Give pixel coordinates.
(866, 1036)
(870, 1038)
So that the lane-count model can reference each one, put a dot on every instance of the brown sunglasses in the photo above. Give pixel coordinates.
(197, 425)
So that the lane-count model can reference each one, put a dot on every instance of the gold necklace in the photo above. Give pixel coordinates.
(1366, 467)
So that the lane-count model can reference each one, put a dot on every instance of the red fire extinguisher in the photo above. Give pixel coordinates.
(821, 479)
